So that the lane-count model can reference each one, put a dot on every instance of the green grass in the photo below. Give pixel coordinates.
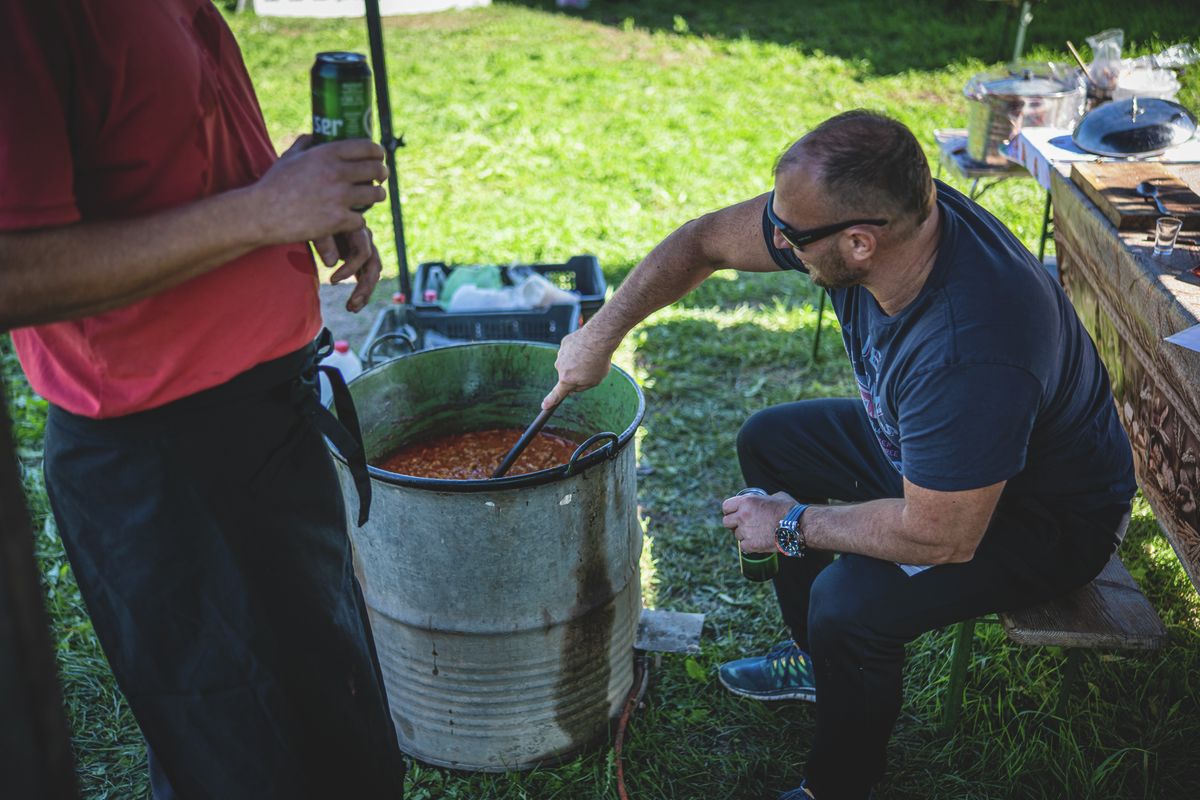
(535, 135)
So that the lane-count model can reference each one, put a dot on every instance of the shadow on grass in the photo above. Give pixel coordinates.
(895, 37)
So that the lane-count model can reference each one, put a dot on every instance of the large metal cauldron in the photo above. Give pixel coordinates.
(504, 611)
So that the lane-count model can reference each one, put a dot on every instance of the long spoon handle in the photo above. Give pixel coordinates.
(523, 442)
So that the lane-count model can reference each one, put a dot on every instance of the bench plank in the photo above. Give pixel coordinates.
(1109, 612)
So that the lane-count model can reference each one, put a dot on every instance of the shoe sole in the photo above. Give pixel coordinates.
(807, 695)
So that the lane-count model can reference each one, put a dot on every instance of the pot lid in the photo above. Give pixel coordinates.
(1138, 126)
(1044, 80)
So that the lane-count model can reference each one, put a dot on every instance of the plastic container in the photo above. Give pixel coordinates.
(1149, 82)
(346, 362)
(1105, 69)
(436, 328)
(580, 274)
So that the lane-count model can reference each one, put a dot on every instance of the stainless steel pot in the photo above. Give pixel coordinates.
(1034, 95)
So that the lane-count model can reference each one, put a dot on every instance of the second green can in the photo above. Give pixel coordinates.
(757, 567)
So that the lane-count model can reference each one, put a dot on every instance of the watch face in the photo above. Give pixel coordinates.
(788, 540)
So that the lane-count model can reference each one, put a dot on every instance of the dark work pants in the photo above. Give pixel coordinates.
(209, 542)
(854, 615)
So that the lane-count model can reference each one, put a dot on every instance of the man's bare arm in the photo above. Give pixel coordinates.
(923, 527)
(730, 238)
(86, 268)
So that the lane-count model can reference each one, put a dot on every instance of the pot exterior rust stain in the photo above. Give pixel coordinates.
(581, 693)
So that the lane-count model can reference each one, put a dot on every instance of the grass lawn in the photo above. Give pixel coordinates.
(535, 134)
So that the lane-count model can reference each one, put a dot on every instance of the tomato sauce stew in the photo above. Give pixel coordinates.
(476, 455)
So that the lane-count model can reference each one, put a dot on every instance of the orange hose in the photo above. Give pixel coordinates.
(639, 677)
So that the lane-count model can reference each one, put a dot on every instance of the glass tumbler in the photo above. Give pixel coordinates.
(1166, 229)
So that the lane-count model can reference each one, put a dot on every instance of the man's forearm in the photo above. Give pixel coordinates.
(671, 270)
(82, 269)
(878, 529)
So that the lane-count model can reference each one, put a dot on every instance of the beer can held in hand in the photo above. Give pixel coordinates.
(757, 567)
(341, 97)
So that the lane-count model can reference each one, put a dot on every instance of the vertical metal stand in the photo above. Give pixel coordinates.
(1070, 674)
(389, 142)
(960, 657)
(1045, 230)
(1023, 20)
(816, 356)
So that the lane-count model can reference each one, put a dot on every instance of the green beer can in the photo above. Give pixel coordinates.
(757, 567)
(341, 97)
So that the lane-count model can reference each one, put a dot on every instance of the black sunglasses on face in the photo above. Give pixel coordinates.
(798, 239)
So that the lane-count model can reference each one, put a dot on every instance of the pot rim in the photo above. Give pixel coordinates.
(582, 464)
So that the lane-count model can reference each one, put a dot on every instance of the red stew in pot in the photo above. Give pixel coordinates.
(476, 455)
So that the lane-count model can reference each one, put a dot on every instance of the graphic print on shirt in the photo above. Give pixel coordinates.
(867, 367)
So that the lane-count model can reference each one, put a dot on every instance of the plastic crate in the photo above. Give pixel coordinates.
(581, 274)
(434, 328)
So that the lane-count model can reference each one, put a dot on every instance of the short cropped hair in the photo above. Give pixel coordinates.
(869, 165)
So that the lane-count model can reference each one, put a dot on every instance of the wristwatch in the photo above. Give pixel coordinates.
(789, 537)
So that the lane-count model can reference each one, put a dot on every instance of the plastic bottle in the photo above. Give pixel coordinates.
(435, 279)
(346, 362)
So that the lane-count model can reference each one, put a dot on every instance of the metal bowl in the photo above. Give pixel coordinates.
(1134, 128)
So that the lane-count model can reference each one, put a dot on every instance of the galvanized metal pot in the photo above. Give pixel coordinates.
(504, 611)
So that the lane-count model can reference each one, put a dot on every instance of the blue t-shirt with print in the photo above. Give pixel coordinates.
(988, 375)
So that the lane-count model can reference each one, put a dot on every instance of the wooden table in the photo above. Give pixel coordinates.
(1129, 300)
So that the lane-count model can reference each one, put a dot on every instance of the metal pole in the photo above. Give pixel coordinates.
(960, 659)
(1026, 16)
(389, 142)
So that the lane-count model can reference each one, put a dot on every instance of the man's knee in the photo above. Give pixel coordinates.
(835, 610)
(754, 436)
(842, 608)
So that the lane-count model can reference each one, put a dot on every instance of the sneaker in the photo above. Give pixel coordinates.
(802, 792)
(785, 673)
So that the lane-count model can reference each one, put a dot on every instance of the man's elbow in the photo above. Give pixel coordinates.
(958, 549)
(947, 547)
(953, 554)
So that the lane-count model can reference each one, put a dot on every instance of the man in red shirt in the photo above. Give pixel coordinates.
(156, 269)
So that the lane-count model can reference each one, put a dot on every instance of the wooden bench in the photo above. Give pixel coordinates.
(1108, 613)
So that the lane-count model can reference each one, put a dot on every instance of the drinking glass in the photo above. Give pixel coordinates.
(1166, 229)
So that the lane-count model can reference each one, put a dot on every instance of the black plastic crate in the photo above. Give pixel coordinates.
(434, 328)
(581, 274)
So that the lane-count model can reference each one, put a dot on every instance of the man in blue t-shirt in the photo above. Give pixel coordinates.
(983, 469)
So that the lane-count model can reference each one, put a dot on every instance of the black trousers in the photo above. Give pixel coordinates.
(855, 614)
(208, 538)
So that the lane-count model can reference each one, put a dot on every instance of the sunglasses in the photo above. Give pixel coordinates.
(799, 239)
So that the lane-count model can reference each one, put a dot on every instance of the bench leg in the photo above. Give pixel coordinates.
(1045, 230)
(817, 336)
(960, 657)
(1070, 674)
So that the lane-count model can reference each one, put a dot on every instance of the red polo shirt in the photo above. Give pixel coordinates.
(117, 110)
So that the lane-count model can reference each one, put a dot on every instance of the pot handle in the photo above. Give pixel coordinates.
(369, 358)
(612, 438)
